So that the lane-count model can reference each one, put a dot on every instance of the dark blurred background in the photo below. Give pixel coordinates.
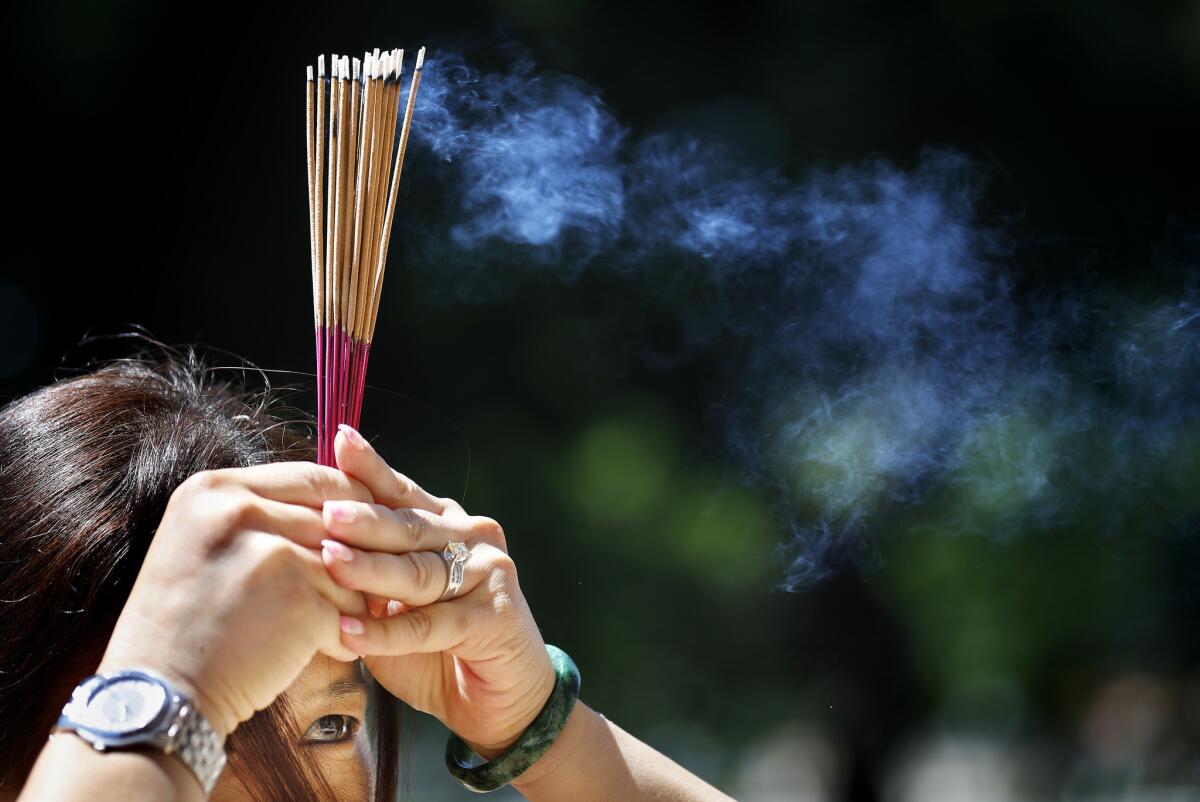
(156, 172)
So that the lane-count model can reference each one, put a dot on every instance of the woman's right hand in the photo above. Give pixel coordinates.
(232, 600)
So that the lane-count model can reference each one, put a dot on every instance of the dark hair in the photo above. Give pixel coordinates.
(86, 468)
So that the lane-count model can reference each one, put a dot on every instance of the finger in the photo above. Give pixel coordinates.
(452, 508)
(302, 525)
(358, 459)
(327, 600)
(376, 527)
(421, 630)
(303, 483)
(415, 579)
(346, 600)
(325, 628)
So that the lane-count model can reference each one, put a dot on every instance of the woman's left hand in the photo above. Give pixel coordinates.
(476, 661)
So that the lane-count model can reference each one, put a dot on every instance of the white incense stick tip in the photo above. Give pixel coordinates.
(377, 54)
(345, 66)
(310, 73)
(321, 65)
(420, 58)
(357, 69)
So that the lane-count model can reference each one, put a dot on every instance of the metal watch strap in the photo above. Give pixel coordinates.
(185, 732)
(196, 743)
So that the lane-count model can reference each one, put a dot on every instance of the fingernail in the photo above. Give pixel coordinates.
(352, 626)
(394, 607)
(339, 550)
(340, 511)
(355, 439)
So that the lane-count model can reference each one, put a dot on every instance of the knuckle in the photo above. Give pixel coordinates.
(204, 481)
(228, 513)
(422, 574)
(313, 477)
(404, 486)
(242, 511)
(272, 559)
(412, 523)
(497, 560)
(450, 505)
(420, 624)
(487, 529)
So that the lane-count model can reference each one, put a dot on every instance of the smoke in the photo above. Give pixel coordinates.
(533, 162)
(891, 376)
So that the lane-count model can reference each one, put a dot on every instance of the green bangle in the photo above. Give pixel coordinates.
(476, 774)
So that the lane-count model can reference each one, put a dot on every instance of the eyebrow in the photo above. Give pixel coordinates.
(338, 689)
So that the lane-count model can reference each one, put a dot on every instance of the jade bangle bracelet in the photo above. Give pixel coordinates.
(476, 774)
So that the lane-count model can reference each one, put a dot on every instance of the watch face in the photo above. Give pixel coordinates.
(125, 704)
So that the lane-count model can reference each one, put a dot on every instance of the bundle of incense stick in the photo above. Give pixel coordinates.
(354, 161)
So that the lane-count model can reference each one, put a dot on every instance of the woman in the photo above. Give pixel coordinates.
(151, 518)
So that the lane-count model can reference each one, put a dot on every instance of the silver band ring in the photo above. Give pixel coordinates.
(456, 555)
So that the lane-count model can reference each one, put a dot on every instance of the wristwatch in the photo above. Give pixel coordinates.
(137, 707)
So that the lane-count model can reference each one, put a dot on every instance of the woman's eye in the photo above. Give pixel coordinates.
(331, 729)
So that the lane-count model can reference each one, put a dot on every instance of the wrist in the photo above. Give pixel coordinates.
(221, 722)
(564, 752)
(477, 773)
(536, 700)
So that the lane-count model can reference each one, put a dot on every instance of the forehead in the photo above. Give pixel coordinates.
(325, 677)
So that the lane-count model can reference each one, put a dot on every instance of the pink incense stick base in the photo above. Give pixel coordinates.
(341, 380)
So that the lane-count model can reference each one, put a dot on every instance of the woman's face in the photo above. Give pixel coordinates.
(330, 700)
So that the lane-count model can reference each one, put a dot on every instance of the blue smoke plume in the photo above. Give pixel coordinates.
(887, 360)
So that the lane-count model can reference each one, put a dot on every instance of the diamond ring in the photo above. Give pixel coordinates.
(456, 555)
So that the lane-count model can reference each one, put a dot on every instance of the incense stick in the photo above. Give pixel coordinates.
(355, 158)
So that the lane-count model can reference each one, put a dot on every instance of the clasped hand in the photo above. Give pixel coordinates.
(254, 570)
